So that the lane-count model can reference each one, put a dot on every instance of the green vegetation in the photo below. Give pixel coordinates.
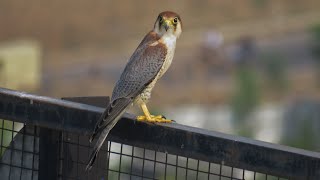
(305, 138)
(259, 3)
(275, 72)
(315, 33)
(245, 99)
(7, 133)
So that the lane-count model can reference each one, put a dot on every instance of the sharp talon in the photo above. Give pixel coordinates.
(163, 117)
(162, 120)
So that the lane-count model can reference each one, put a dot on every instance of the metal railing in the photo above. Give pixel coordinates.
(47, 138)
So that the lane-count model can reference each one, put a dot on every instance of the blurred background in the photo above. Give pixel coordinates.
(249, 68)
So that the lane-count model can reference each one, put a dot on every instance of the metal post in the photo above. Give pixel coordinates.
(49, 145)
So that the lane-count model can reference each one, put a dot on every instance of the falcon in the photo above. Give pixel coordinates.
(146, 66)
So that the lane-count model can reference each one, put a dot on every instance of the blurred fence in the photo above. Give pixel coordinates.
(46, 138)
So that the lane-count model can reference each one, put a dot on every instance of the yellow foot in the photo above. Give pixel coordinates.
(154, 119)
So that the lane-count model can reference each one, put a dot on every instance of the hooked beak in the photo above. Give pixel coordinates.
(166, 24)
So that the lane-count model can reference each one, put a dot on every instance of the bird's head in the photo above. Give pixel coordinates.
(168, 23)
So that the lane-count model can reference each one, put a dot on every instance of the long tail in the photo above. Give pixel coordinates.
(102, 137)
(97, 147)
(108, 119)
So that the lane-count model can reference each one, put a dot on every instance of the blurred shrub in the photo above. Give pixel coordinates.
(275, 71)
(246, 98)
(315, 32)
(259, 3)
(301, 125)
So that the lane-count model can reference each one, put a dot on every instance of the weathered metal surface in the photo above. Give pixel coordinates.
(221, 148)
(173, 138)
(48, 112)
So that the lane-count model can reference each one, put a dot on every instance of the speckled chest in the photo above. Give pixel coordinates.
(170, 42)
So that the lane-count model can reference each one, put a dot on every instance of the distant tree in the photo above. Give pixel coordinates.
(259, 3)
(315, 32)
(246, 98)
(301, 125)
(274, 67)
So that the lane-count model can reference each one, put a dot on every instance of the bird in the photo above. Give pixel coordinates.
(146, 66)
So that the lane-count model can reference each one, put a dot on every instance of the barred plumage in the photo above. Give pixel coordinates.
(148, 63)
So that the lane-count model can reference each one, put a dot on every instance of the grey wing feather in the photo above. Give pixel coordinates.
(141, 69)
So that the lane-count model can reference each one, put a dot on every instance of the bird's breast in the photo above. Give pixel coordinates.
(170, 44)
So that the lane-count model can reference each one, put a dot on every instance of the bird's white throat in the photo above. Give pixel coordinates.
(169, 40)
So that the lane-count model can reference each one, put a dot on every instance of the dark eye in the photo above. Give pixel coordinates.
(175, 20)
(160, 18)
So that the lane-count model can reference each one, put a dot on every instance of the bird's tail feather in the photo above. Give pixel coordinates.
(108, 119)
(96, 130)
(102, 137)
(97, 146)
(113, 111)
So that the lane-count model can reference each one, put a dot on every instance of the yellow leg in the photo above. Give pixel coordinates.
(151, 118)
